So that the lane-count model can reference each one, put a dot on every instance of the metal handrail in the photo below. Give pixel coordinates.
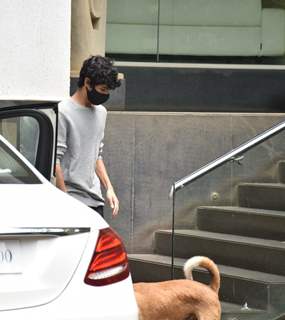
(233, 155)
(229, 156)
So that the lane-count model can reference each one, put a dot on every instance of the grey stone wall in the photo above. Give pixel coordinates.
(146, 152)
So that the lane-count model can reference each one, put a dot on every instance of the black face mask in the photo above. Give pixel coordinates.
(96, 97)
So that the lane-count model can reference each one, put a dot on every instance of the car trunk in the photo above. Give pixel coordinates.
(41, 243)
(35, 268)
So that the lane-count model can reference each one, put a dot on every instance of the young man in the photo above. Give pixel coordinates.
(82, 117)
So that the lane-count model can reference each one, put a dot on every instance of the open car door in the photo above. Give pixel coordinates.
(32, 129)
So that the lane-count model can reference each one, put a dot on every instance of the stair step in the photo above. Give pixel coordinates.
(280, 317)
(238, 286)
(232, 311)
(240, 251)
(236, 309)
(262, 195)
(266, 224)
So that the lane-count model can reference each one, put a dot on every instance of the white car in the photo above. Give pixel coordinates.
(58, 258)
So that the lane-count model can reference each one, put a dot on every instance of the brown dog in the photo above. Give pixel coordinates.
(181, 299)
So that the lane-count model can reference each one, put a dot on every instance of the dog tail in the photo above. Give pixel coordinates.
(206, 263)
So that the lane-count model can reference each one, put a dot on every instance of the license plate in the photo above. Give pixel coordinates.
(10, 257)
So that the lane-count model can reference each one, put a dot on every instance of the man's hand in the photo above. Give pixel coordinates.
(113, 201)
(59, 178)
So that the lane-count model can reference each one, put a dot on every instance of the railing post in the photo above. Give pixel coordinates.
(173, 231)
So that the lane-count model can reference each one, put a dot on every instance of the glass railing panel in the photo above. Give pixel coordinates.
(234, 215)
(214, 189)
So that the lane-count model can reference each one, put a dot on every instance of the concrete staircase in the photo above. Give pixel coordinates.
(247, 242)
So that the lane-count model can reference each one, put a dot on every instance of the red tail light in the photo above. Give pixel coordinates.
(109, 263)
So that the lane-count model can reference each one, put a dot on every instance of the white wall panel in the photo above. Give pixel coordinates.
(34, 49)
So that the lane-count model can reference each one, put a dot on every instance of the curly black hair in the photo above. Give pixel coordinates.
(99, 70)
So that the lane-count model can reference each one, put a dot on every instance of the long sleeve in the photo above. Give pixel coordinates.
(61, 138)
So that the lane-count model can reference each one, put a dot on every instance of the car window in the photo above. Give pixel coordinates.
(23, 134)
(13, 170)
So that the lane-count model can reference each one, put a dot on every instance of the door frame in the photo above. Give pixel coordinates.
(46, 151)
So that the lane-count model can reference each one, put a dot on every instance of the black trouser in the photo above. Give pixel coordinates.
(99, 209)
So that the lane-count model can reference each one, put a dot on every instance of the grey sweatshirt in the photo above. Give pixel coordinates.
(80, 144)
